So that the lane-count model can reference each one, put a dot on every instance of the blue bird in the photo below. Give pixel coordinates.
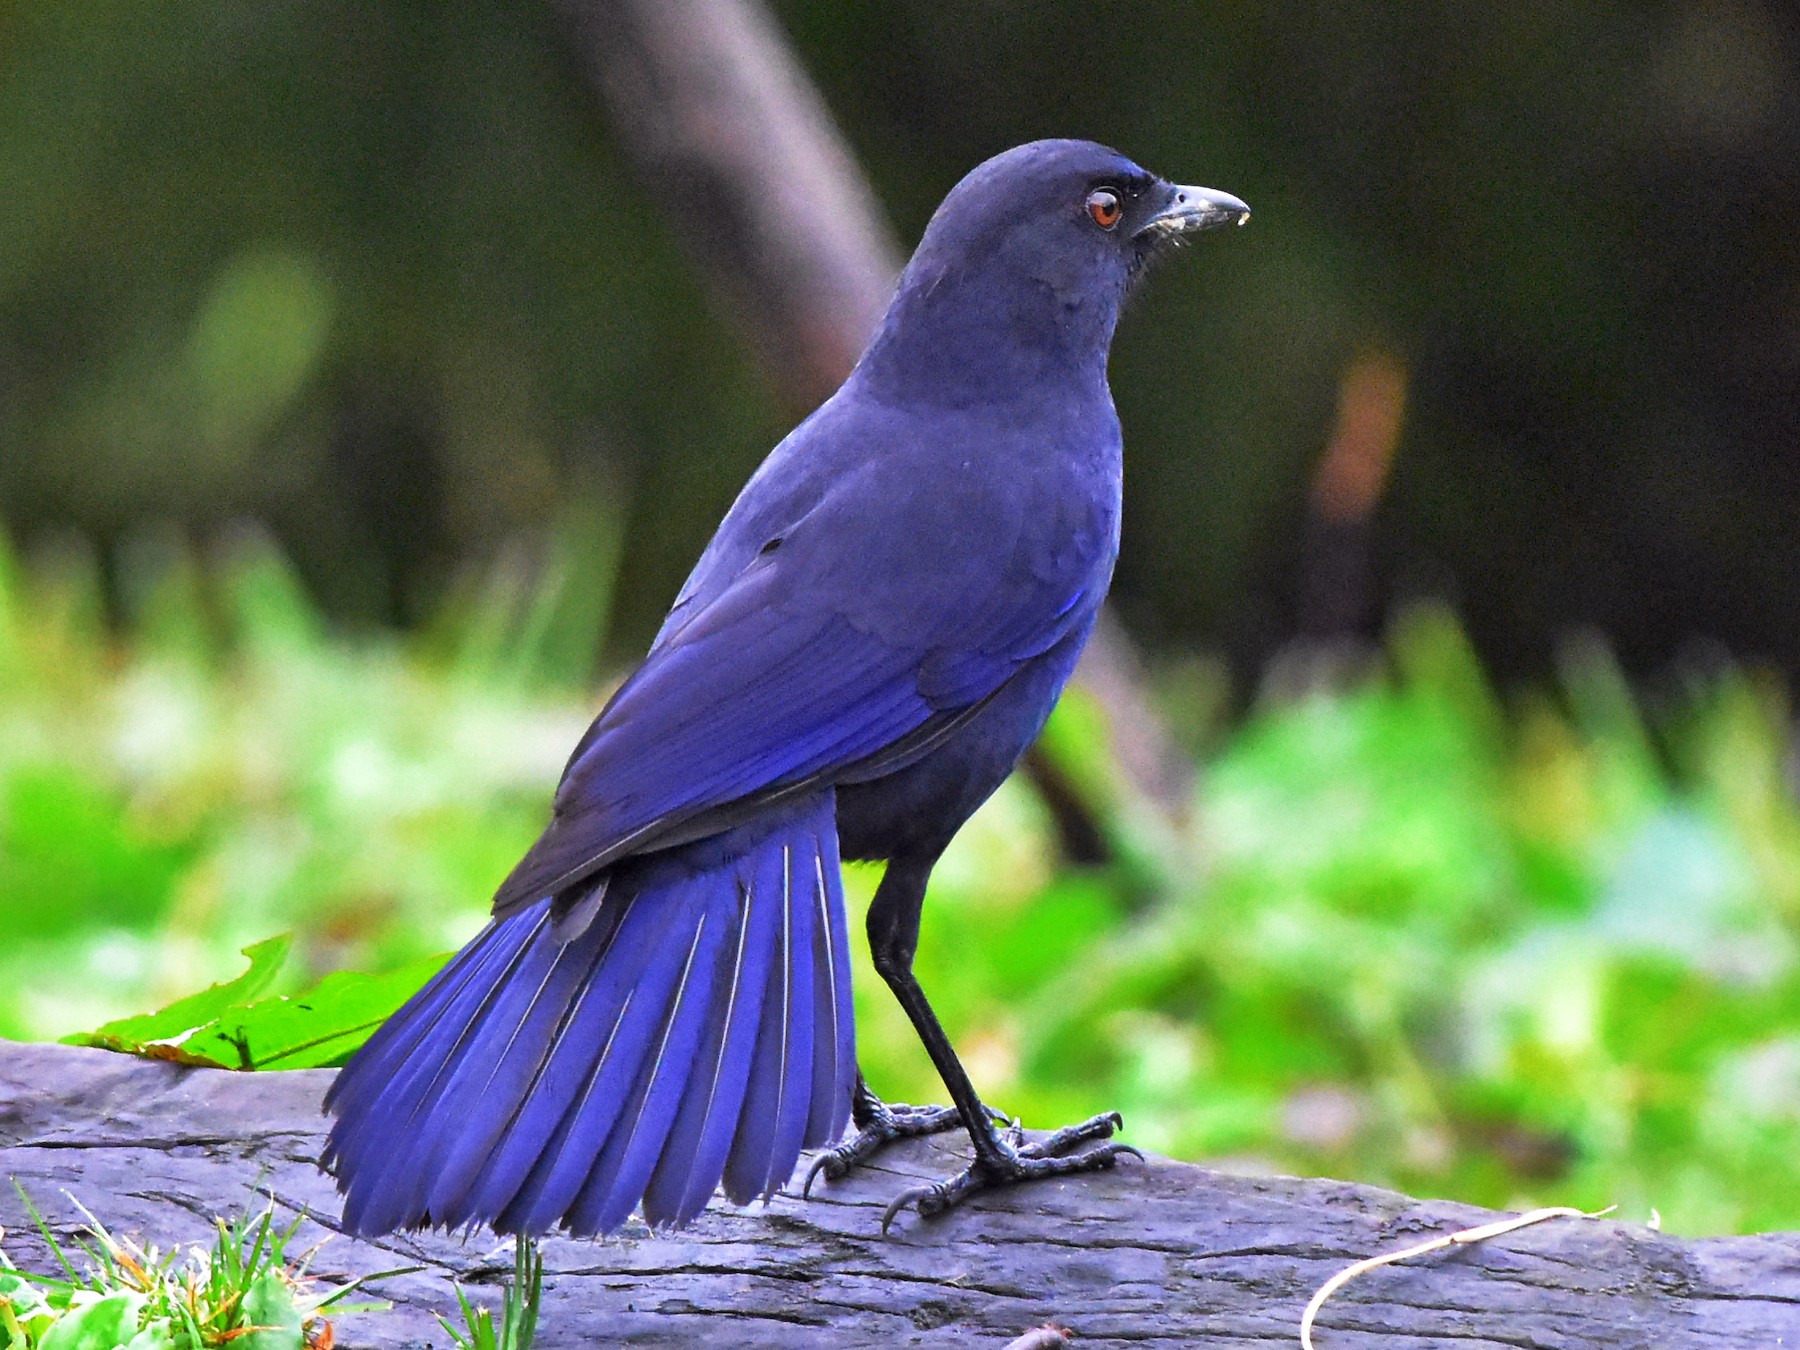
(877, 631)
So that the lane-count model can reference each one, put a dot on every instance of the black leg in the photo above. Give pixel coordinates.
(999, 1160)
(880, 1123)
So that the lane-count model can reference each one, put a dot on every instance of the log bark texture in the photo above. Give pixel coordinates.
(1166, 1254)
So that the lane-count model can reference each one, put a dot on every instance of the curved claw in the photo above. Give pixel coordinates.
(915, 1195)
(837, 1162)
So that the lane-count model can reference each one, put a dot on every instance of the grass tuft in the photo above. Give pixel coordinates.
(520, 1302)
(240, 1290)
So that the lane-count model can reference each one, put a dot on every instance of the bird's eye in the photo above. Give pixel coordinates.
(1103, 206)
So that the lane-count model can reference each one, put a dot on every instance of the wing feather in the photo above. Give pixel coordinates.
(829, 659)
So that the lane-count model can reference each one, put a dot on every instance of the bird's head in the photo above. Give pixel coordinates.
(1024, 266)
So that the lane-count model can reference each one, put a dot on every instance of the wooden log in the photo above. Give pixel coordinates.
(1164, 1254)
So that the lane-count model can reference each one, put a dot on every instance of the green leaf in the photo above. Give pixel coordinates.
(227, 1027)
(23, 1311)
(159, 1335)
(163, 1034)
(269, 1306)
(105, 1324)
(317, 1029)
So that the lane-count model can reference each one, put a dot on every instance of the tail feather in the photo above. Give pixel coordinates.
(694, 1157)
(797, 1043)
(578, 1136)
(834, 1046)
(395, 1039)
(753, 1146)
(700, 1026)
(529, 992)
(619, 1176)
(394, 1082)
(429, 1094)
(384, 1054)
(512, 1076)
(530, 1136)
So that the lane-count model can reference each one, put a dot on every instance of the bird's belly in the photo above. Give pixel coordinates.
(915, 810)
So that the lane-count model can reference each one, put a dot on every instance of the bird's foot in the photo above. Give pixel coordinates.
(1013, 1161)
(879, 1124)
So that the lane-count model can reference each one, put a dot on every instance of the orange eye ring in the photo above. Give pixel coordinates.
(1103, 205)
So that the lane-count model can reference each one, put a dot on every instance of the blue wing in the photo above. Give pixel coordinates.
(883, 616)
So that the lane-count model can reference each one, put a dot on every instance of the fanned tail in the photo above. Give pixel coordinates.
(698, 1028)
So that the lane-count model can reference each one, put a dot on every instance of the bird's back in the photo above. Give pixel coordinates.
(908, 500)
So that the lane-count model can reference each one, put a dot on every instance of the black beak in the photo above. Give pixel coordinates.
(1191, 209)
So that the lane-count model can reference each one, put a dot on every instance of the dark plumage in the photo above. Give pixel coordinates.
(875, 634)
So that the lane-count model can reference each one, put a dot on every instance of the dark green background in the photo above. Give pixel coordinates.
(377, 275)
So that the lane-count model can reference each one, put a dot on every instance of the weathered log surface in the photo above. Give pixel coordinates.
(1166, 1254)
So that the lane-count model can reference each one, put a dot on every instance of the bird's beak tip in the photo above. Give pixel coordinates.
(1191, 209)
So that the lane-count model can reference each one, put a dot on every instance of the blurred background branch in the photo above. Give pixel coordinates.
(734, 146)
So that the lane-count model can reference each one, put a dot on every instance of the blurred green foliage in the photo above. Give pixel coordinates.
(230, 773)
(1517, 951)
